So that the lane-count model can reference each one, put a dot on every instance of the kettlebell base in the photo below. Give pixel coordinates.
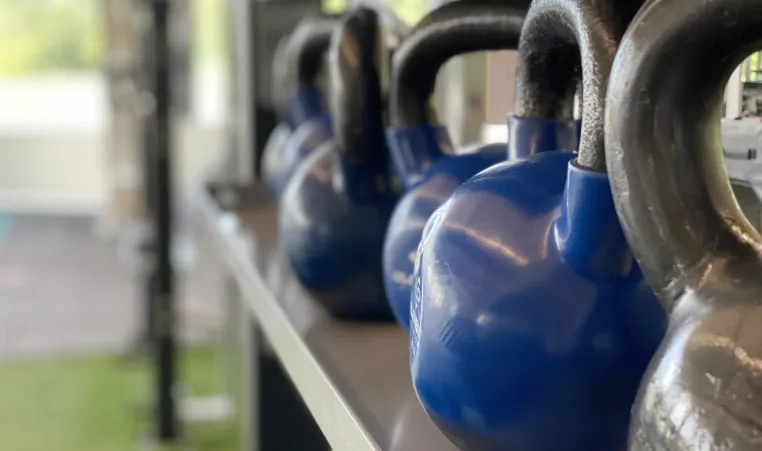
(465, 439)
(346, 307)
(468, 440)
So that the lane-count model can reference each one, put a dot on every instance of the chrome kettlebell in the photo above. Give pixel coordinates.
(703, 389)
(296, 66)
(336, 207)
(531, 324)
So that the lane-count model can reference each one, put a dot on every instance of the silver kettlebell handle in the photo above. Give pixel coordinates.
(664, 149)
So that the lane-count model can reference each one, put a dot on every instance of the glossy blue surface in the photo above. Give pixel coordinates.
(283, 152)
(333, 229)
(336, 207)
(304, 105)
(281, 161)
(423, 157)
(415, 149)
(531, 323)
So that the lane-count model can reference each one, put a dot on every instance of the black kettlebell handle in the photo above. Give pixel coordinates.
(664, 147)
(564, 41)
(355, 89)
(453, 29)
(306, 47)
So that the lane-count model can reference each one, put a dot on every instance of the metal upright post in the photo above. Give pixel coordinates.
(274, 414)
(164, 314)
(734, 95)
(241, 33)
(145, 80)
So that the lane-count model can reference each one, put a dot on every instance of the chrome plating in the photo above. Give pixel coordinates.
(703, 390)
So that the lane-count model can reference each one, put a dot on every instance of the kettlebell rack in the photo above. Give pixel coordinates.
(309, 381)
(353, 378)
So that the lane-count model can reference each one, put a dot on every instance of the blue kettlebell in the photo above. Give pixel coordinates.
(337, 205)
(305, 123)
(531, 324)
(698, 252)
(421, 148)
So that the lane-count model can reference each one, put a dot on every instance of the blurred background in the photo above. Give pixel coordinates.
(72, 214)
(73, 209)
(74, 374)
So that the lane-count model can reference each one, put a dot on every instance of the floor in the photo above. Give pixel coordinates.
(98, 403)
(64, 290)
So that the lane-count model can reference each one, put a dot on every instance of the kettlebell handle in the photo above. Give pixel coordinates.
(355, 95)
(306, 47)
(664, 147)
(393, 27)
(565, 42)
(453, 29)
(279, 74)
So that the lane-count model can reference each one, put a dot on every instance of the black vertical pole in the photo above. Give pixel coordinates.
(146, 81)
(164, 344)
(148, 245)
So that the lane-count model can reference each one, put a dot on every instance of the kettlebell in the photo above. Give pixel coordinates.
(304, 120)
(531, 324)
(337, 205)
(702, 257)
(279, 93)
(421, 148)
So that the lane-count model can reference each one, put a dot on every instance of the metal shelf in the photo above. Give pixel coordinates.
(354, 378)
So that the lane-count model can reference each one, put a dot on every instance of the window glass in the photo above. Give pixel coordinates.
(43, 36)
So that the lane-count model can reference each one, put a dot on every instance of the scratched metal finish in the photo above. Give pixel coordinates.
(703, 390)
(546, 80)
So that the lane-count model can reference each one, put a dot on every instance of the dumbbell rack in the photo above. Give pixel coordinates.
(354, 378)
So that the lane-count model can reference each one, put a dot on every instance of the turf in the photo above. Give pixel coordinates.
(96, 404)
